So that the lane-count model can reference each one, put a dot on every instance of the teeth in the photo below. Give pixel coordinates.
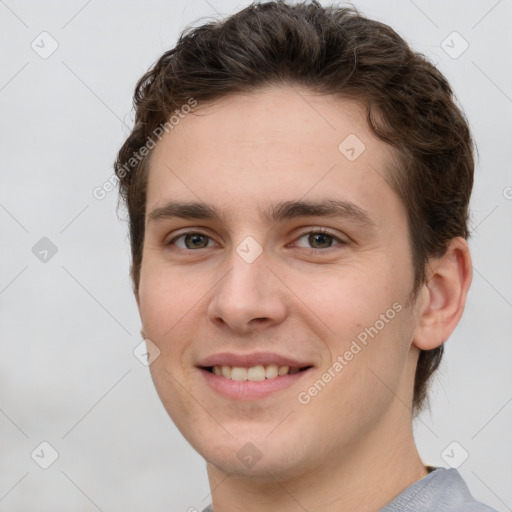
(254, 373)
(272, 371)
(283, 370)
(238, 373)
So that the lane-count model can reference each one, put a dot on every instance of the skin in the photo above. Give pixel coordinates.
(351, 447)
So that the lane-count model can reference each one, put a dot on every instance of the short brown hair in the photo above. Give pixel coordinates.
(330, 50)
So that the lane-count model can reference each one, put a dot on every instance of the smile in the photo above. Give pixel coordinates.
(254, 373)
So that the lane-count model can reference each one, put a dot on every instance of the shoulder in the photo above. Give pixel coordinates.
(443, 490)
(451, 483)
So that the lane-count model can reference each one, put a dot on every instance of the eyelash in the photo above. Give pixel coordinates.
(322, 231)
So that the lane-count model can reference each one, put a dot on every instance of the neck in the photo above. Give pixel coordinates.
(360, 477)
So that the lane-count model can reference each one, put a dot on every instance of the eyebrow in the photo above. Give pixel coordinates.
(276, 213)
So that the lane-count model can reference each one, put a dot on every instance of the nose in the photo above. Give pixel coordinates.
(248, 297)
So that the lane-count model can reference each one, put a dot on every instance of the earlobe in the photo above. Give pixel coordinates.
(443, 296)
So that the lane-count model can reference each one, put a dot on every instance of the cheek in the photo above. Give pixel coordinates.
(166, 303)
(164, 299)
(350, 299)
(368, 328)
(366, 368)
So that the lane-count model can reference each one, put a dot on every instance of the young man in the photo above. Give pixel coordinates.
(297, 183)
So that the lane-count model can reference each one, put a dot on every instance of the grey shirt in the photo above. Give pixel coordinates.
(442, 490)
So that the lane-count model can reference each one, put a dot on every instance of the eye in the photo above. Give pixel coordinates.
(191, 240)
(320, 239)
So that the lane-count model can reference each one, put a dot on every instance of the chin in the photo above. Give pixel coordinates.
(264, 470)
(259, 459)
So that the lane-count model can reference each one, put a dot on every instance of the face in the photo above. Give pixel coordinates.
(276, 251)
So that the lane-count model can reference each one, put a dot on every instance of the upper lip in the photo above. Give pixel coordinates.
(252, 359)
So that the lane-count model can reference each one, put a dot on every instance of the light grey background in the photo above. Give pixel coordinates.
(68, 326)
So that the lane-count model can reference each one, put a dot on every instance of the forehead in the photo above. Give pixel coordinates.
(277, 144)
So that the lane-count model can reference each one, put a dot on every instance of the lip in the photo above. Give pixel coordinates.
(246, 389)
(252, 359)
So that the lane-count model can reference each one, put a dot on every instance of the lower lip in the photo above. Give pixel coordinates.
(247, 389)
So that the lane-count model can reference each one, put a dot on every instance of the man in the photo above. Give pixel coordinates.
(297, 182)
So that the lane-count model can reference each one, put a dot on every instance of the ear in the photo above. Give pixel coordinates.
(442, 298)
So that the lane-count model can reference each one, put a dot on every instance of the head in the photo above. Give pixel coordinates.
(256, 110)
